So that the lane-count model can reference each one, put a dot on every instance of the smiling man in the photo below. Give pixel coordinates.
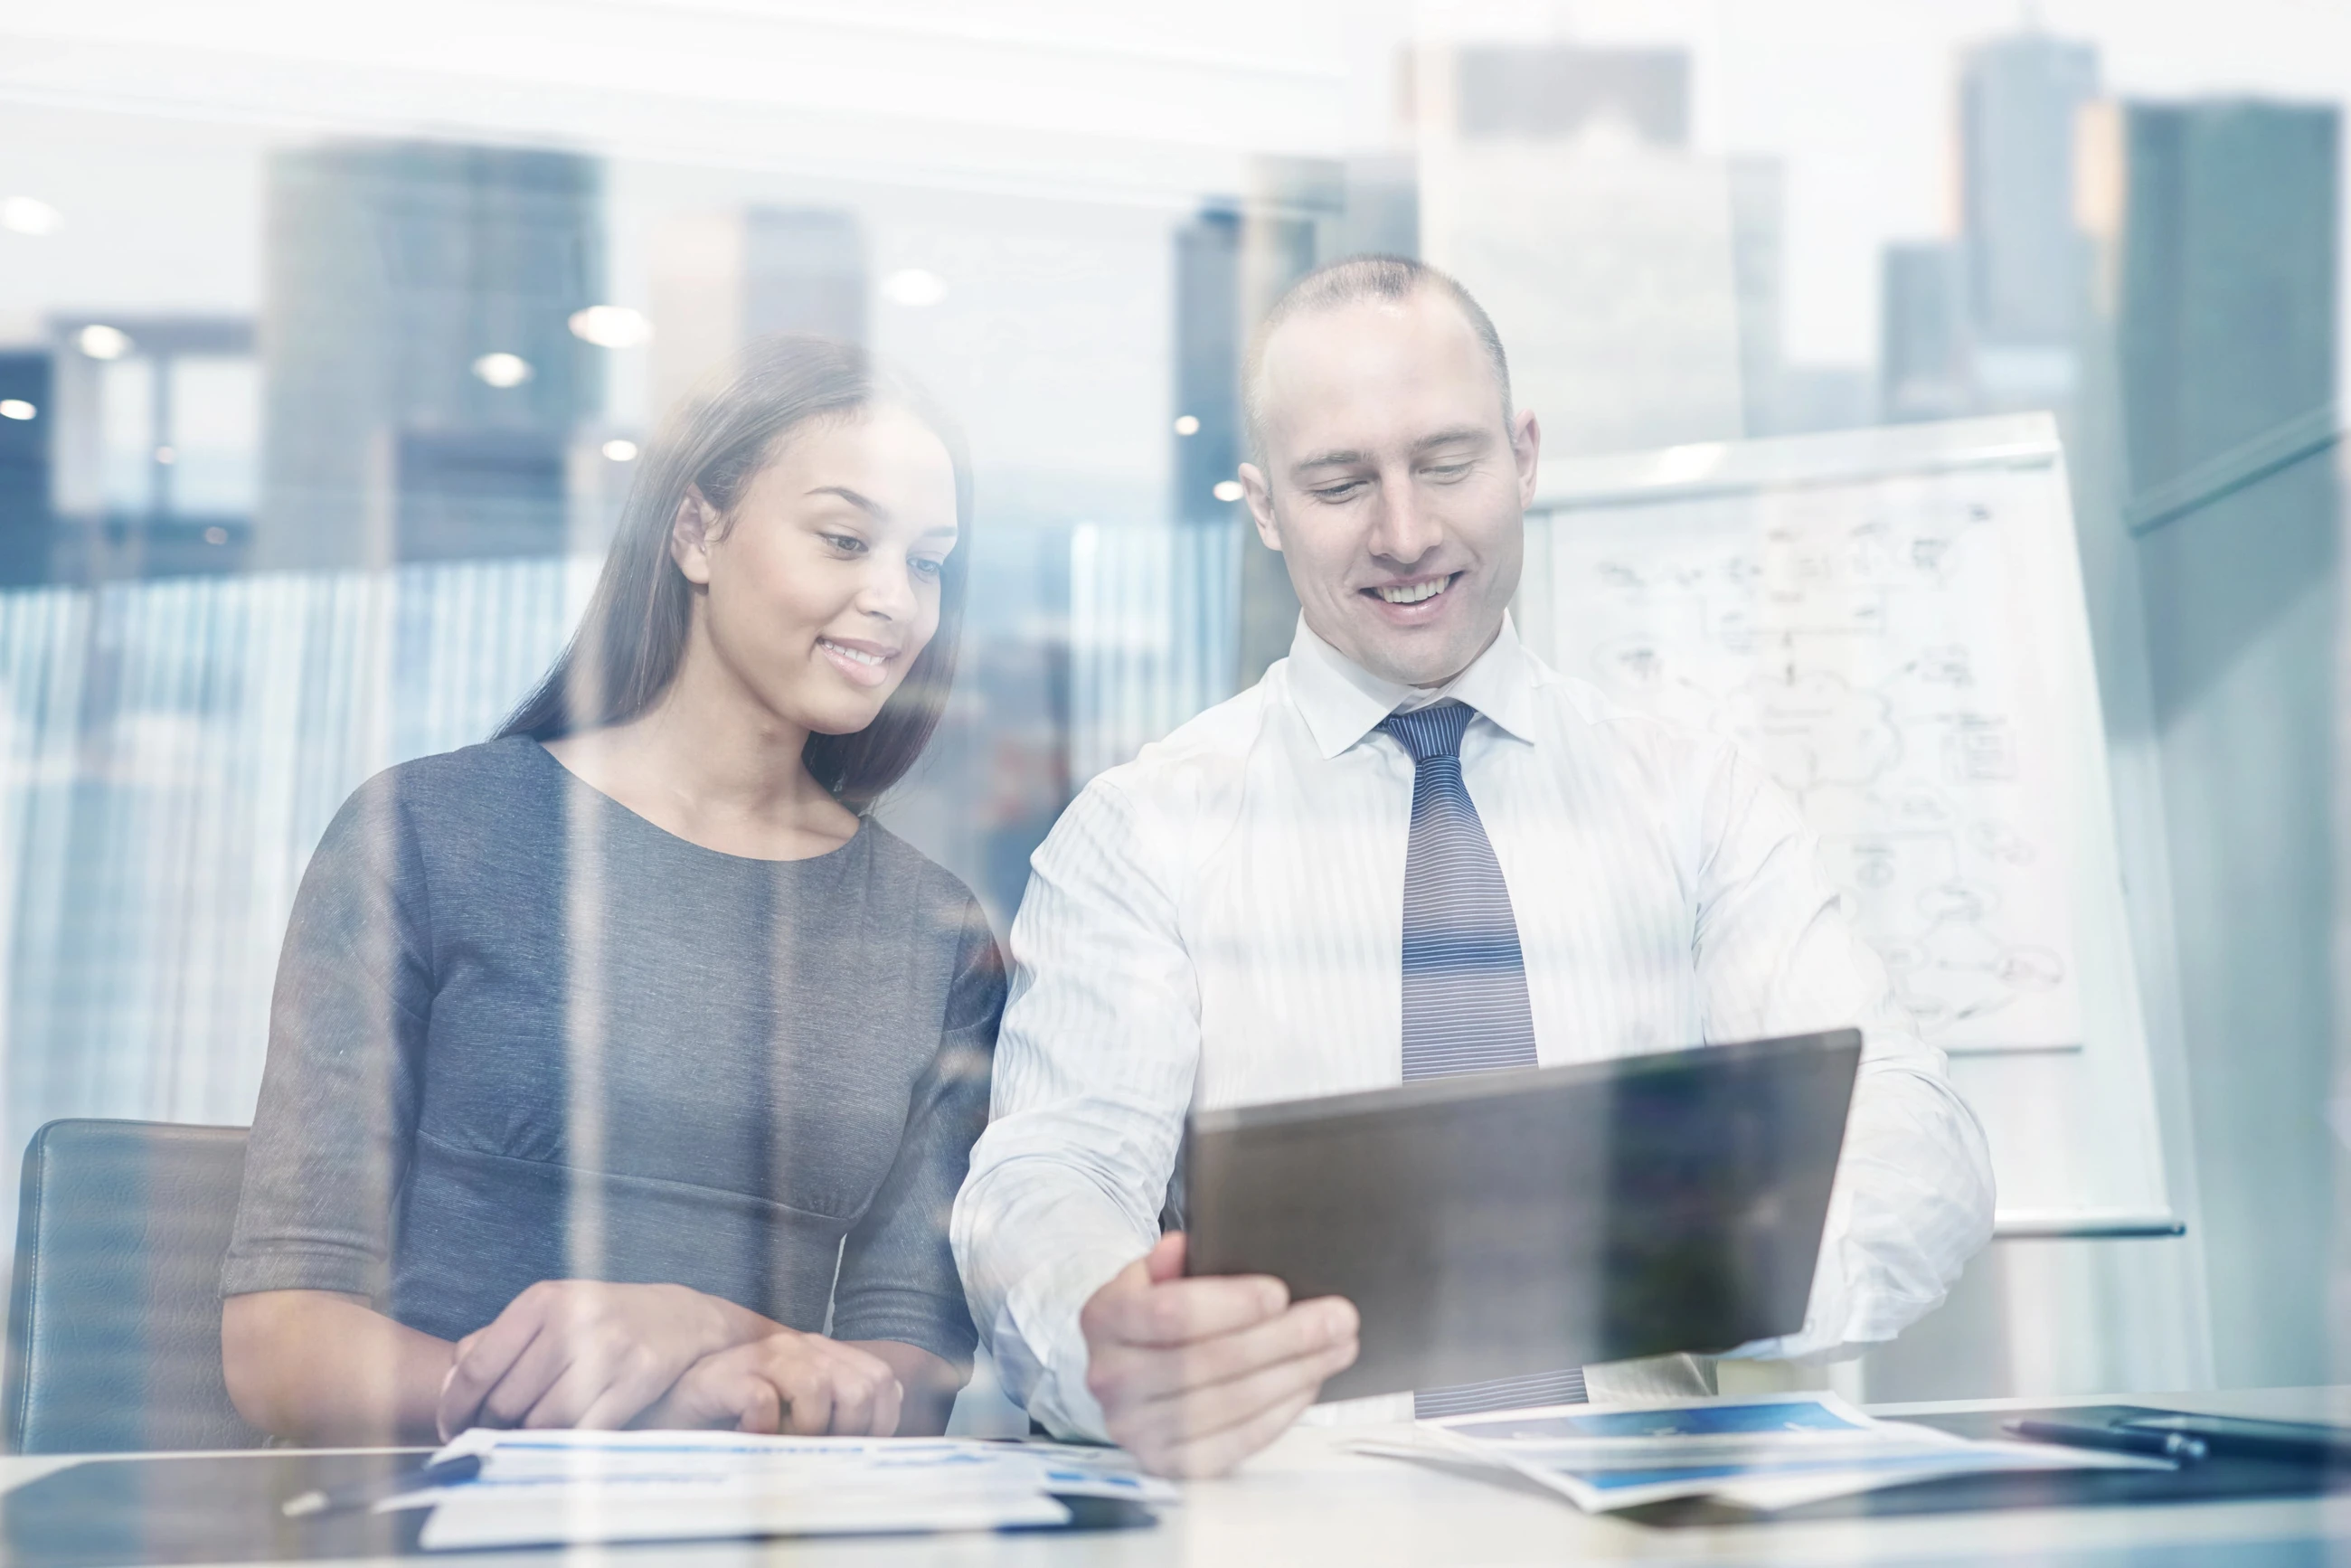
(1410, 851)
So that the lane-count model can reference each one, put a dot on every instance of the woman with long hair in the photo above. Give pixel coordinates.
(621, 1069)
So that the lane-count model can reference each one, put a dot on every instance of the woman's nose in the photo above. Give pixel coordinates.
(886, 592)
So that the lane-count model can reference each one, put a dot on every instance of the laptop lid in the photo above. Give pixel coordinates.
(1500, 1224)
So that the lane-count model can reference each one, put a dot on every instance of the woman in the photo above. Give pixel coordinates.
(621, 1069)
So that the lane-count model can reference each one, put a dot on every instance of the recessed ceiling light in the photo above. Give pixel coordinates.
(1187, 425)
(912, 286)
(621, 451)
(502, 370)
(17, 408)
(216, 535)
(1228, 490)
(610, 326)
(102, 343)
(166, 455)
(28, 216)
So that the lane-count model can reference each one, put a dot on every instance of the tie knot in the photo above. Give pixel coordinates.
(1432, 731)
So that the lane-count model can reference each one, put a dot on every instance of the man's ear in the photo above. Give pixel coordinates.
(1260, 505)
(1526, 451)
(690, 533)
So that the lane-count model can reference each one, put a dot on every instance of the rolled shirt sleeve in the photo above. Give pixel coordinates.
(1775, 955)
(1093, 1072)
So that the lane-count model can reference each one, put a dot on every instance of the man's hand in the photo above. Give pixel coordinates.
(583, 1352)
(803, 1384)
(1195, 1375)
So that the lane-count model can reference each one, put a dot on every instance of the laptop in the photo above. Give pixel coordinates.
(1499, 1224)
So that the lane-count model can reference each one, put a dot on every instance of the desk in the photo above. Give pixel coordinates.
(1306, 1500)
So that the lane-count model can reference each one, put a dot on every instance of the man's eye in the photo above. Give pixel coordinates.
(1338, 491)
(1446, 472)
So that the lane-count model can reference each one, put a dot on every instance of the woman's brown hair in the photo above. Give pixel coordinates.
(633, 636)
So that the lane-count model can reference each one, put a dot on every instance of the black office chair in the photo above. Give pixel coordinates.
(114, 1316)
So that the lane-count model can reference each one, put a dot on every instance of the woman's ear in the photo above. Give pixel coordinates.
(690, 533)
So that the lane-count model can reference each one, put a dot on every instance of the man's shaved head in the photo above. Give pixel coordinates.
(1359, 280)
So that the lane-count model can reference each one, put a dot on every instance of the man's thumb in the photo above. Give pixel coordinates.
(1165, 1261)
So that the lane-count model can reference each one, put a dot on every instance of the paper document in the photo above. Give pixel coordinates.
(1767, 1453)
(577, 1487)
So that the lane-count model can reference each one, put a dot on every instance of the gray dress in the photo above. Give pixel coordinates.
(520, 1033)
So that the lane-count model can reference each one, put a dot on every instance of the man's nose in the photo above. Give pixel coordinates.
(1404, 528)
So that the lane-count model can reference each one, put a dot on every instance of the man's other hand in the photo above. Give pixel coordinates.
(1195, 1375)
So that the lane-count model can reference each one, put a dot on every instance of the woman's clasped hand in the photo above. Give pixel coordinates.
(591, 1353)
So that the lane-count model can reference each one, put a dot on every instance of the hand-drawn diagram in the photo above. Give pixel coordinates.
(1872, 644)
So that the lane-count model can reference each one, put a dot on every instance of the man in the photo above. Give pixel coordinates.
(1274, 902)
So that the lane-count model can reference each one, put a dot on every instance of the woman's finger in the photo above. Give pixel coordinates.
(526, 1381)
(806, 1385)
(643, 1382)
(888, 1404)
(486, 1355)
(573, 1392)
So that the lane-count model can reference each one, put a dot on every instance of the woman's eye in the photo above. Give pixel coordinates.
(926, 568)
(848, 544)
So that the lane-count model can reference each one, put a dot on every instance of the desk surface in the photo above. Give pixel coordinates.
(1305, 1499)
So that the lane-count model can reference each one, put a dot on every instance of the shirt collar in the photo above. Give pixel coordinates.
(1342, 702)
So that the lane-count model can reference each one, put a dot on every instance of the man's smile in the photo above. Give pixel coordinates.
(1414, 590)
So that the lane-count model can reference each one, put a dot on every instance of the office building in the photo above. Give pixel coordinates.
(154, 447)
(1924, 360)
(423, 386)
(722, 278)
(2224, 334)
(1640, 295)
(1232, 261)
(27, 419)
(2019, 97)
(1556, 92)
(1990, 321)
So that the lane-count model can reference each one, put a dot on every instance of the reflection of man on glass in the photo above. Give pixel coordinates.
(1410, 850)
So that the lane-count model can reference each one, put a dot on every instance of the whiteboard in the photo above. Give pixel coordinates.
(1893, 621)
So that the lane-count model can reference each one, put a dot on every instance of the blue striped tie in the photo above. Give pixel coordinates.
(1465, 978)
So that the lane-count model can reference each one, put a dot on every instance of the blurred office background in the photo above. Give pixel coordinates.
(330, 336)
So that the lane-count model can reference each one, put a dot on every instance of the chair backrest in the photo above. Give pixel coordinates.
(114, 1314)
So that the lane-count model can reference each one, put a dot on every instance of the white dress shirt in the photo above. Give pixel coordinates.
(1222, 918)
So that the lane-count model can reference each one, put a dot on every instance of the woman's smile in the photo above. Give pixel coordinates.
(867, 663)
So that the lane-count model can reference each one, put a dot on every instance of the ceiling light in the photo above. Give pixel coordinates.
(102, 343)
(912, 286)
(17, 408)
(26, 215)
(1228, 490)
(610, 326)
(1187, 425)
(621, 451)
(216, 535)
(503, 370)
(166, 455)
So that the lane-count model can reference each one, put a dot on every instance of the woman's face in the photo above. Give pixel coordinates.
(824, 585)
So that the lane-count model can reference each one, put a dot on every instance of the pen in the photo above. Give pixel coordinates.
(359, 1494)
(2175, 1445)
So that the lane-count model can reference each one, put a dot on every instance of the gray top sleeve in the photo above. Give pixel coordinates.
(339, 1095)
(898, 1279)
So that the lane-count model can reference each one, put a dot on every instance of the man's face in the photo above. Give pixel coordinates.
(1391, 483)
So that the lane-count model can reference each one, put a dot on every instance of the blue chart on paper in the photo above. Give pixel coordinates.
(1679, 1421)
